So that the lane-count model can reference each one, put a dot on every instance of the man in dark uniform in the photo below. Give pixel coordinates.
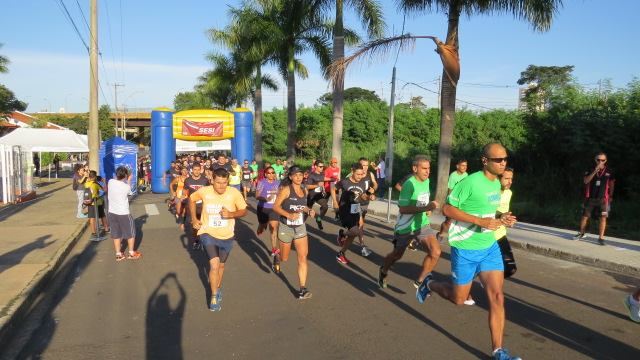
(598, 192)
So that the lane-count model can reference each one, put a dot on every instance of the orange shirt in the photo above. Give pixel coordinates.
(212, 203)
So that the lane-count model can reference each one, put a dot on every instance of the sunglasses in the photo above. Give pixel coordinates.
(498, 160)
(601, 160)
(320, 166)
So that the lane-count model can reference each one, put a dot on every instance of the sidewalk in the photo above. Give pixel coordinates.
(35, 237)
(619, 255)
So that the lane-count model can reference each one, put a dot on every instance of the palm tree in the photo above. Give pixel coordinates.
(539, 13)
(246, 37)
(3, 63)
(291, 27)
(370, 13)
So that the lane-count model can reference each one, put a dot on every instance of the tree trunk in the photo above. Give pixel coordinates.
(447, 111)
(291, 109)
(338, 87)
(257, 122)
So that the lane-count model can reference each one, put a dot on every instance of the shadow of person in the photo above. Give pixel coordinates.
(140, 221)
(253, 246)
(14, 257)
(165, 310)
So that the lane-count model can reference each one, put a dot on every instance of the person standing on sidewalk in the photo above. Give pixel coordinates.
(598, 193)
(454, 178)
(381, 174)
(122, 225)
(79, 178)
(472, 206)
(413, 222)
(221, 205)
(94, 200)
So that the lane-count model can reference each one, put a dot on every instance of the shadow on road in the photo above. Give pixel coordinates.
(14, 257)
(164, 319)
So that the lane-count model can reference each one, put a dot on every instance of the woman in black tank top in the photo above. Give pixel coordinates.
(291, 205)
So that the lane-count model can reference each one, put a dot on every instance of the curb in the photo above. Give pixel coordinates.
(18, 308)
(550, 252)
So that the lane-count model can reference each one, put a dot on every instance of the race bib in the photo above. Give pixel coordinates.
(271, 198)
(318, 189)
(215, 220)
(247, 176)
(355, 208)
(598, 183)
(423, 200)
(298, 221)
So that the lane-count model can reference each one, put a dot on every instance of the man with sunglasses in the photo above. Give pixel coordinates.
(598, 193)
(475, 252)
(317, 192)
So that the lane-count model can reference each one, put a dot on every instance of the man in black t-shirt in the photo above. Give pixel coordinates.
(353, 191)
(246, 179)
(192, 184)
(598, 192)
(224, 163)
(317, 193)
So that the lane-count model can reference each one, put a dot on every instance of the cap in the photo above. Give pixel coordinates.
(294, 170)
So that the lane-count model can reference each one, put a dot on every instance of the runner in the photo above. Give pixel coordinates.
(222, 205)
(235, 175)
(474, 251)
(122, 225)
(254, 173)
(632, 303)
(247, 174)
(413, 222)
(179, 196)
(279, 169)
(506, 180)
(352, 193)
(317, 194)
(371, 187)
(454, 178)
(333, 173)
(266, 195)
(223, 162)
(193, 183)
(291, 205)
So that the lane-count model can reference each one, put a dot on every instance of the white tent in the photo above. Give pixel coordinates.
(197, 146)
(46, 140)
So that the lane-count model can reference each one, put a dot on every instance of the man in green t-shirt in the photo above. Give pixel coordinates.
(472, 206)
(279, 169)
(454, 178)
(413, 222)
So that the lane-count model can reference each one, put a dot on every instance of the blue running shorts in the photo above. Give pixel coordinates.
(466, 264)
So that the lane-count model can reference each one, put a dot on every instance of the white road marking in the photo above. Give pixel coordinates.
(151, 209)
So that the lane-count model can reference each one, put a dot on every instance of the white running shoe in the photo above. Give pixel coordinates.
(365, 251)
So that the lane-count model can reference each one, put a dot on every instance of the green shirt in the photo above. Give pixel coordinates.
(455, 178)
(254, 170)
(414, 193)
(478, 196)
(279, 170)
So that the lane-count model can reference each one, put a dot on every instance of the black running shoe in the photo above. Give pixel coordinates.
(381, 279)
(304, 294)
(601, 241)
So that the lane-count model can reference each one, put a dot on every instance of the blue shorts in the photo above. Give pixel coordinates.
(466, 264)
(216, 248)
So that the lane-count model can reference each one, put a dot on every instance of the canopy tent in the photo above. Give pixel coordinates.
(46, 140)
(197, 146)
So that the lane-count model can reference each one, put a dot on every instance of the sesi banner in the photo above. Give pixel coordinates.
(193, 128)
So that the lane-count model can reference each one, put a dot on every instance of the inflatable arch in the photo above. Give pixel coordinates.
(196, 125)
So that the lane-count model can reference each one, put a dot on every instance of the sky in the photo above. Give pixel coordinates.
(153, 50)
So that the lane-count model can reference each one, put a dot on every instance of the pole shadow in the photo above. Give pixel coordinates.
(14, 257)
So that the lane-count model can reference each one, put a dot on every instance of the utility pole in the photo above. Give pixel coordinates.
(94, 135)
(390, 142)
(115, 90)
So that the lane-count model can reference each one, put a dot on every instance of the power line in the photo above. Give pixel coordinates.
(115, 68)
(435, 92)
(83, 17)
(73, 23)
(121, 43)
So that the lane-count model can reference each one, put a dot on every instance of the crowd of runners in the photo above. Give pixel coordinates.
(208, 194)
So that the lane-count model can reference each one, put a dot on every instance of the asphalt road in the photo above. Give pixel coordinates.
(156, 308)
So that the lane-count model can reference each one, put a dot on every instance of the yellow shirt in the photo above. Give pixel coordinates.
(235, 179)
(505, 199)
(95, 191)
(212, 204)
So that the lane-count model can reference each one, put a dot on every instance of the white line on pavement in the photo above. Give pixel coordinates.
(151, 209)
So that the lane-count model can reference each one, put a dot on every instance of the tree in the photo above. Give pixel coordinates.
(539, 13)
(9, 103)
(292, 27)
(350, 95)
(189, 100)
(543, 82)
(105, 125)
(370, 14)
(3, 63)
(245, 36)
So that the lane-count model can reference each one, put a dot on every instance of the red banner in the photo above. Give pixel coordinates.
(192, 128)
